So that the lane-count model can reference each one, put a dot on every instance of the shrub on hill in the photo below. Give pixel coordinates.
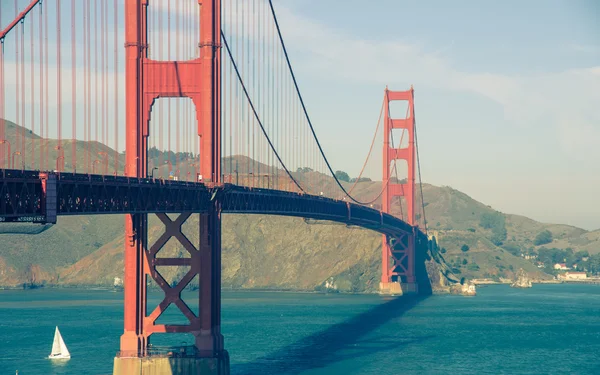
(543, 238)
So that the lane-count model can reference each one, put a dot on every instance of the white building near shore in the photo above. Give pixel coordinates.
(573, 276)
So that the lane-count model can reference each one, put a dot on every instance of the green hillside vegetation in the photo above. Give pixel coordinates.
(288, 253)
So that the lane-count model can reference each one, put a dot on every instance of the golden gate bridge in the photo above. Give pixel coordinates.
(202, 114)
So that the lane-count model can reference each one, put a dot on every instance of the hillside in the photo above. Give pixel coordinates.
(280, 252)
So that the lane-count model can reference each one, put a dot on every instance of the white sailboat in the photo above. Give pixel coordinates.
(59, 349)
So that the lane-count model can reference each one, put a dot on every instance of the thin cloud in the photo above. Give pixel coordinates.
(525, 99)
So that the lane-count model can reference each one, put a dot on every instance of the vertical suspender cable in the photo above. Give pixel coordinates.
(3, 146)
(255, 89)
(232, 101)
(59, 87)
(278, 100)
(116, 88)
(73, 90)
(169, 149)
(178, 101)
(245, 68)
(87, 83)
(89, 86)
(194, 123)
(32, 92)
(106, 85)
(102, 140)
(85, 108)
(238, 116)
(96, 89)
(17, 97)
(46, 88)
(162, 150)
(41, 115)
(24, 124)
(186, 134)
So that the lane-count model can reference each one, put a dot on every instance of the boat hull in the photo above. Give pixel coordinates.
(59, 356)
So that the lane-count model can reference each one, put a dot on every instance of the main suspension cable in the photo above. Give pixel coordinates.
(370, 150)
(305, 111)
(420, 180)
(256, 114)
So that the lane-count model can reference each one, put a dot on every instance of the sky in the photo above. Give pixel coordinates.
(506, 93)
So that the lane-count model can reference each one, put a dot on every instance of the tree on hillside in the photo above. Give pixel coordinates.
(594, 264)
(497, 223)
(465, 248)
(342, 176)
(513, 249)
(543, 238)
(489, 220)
(498, 235)
(362, 179)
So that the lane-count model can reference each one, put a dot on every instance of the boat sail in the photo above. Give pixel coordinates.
(59, 349)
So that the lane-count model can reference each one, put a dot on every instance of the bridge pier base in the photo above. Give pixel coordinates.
(172, 366)
(398, 289)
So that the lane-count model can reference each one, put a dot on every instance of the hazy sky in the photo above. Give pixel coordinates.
(507, 93)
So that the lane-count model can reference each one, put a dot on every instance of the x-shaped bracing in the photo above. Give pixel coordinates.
(172, 293)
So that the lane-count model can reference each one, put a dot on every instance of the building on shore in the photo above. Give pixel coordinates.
(573, 276)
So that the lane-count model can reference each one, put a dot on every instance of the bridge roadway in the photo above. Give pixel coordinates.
(39, 197)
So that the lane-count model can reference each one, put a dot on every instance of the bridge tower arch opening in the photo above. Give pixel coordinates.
(398, 253)
(147, 80)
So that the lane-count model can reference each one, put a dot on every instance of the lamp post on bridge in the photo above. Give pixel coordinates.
(5, 141)
(13, 160)
(60, 167)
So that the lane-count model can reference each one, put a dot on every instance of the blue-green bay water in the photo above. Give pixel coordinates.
(548, 329)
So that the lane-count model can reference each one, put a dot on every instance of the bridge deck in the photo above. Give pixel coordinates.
(25, 197)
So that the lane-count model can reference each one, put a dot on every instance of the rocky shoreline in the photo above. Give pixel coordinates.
(522, 280)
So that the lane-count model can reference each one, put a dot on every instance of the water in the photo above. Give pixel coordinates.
(548, 329)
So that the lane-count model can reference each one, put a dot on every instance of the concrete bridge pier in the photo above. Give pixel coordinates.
(172, 366)
(396, 288)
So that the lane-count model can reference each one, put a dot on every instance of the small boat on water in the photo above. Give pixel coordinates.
(59, 349)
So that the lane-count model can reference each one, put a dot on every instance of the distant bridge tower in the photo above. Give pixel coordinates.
(398, 254)
(147, 80)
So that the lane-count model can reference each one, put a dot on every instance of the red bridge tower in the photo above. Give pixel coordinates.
(398, 254)
(147, 80)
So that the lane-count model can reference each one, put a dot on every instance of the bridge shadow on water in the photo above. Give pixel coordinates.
(338, 342)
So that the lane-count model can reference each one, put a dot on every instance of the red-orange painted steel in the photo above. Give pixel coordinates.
(19, 18)
(146, 81)
(400, 250)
